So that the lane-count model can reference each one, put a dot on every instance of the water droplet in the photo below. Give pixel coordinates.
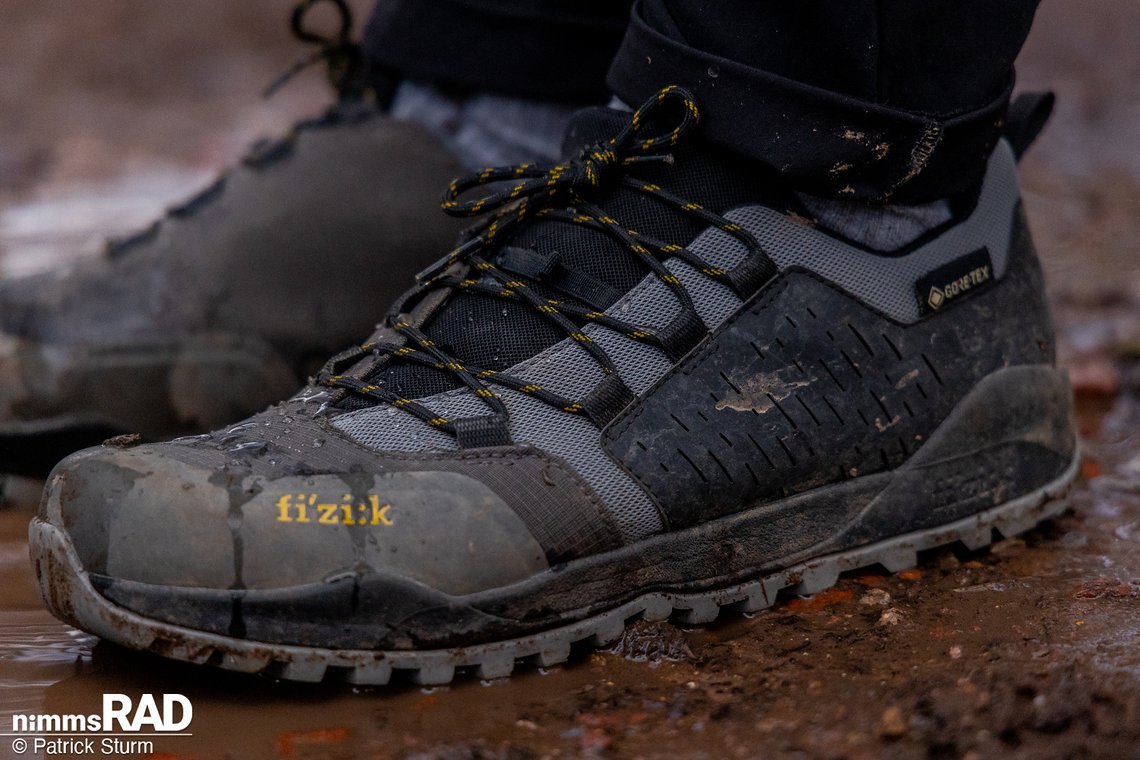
(318, 443)
(714, 72)
(252, 447)
(286, 420)
(241, 427)
(339, 575)
(192, 438)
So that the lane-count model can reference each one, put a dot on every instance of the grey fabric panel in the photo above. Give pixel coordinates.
(385, 428)
(714, 302)
(884, 282)
(638, 364)
(566, 368)
(578, 442)
(573, 439)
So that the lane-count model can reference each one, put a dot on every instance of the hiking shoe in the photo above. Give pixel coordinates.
(231, 300)
(575, 422)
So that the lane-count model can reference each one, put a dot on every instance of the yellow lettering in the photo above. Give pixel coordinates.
(283, 509)
(303, 508)
(380, 513)
(296, 508)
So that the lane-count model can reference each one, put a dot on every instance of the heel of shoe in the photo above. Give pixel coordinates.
(1010, 437)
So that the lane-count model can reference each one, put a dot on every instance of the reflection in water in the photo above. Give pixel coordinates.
(36, 652)
(42, 640)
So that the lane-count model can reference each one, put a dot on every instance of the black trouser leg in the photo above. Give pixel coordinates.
(870, 99)
(548, 49)
(863, 99)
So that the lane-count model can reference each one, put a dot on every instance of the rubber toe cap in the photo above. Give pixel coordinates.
(142, 515)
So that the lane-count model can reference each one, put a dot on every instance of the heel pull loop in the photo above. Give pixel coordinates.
(1027, 116)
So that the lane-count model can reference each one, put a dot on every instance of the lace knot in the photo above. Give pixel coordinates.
(592, 166)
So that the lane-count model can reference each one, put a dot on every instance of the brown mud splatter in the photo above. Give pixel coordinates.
(760, 393)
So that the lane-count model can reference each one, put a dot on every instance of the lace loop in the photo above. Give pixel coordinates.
(341, 55)
(650, 130)
(341, 38)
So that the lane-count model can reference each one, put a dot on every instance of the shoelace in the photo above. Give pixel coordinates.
(558, 192)
(341, 55)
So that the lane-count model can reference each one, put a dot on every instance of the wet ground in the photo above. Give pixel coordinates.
(1030, 649)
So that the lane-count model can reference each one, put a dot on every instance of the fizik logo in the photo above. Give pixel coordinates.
(951, 281)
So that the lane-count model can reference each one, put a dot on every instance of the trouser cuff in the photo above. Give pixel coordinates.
(824, 143)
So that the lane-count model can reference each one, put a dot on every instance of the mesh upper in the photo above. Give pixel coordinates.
(884, 283)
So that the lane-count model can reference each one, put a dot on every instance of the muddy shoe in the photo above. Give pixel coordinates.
(573, 424)
(233, 298)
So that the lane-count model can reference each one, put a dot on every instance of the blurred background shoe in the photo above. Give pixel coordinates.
(233, 297)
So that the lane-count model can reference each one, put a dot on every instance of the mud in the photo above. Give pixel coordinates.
(1028, 650)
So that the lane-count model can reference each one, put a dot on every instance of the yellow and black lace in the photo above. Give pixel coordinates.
(560, 192)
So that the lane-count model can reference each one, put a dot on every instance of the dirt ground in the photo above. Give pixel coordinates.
(1029, 650)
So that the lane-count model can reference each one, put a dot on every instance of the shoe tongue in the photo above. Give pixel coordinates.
(492, 333)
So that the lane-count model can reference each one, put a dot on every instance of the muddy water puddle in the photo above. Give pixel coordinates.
(1028, 649)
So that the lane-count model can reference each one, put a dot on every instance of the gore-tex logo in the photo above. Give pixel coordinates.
(939, 296)
(952, 281)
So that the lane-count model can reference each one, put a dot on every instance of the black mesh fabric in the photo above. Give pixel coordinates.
(496, 334)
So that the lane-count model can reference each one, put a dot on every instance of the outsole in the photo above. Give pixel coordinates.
(69, 594)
